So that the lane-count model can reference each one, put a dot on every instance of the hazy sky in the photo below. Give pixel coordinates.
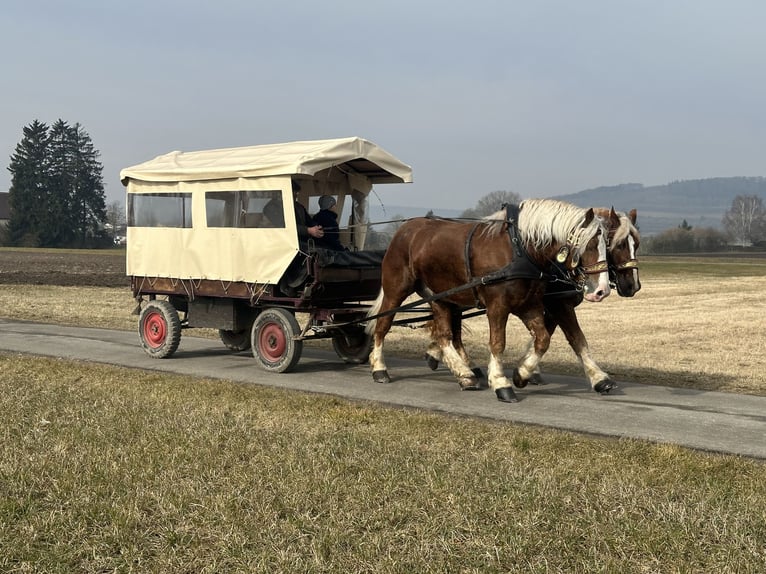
(537, 97)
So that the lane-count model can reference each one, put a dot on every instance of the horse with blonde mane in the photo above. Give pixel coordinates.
(561, 300)
(502, 264)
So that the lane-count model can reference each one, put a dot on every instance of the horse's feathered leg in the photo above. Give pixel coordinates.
(497, 316)
(564, 312)
(528, 369)
(443, 334)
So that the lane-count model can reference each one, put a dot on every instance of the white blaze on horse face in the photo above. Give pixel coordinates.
(632, 248)
(602, 289)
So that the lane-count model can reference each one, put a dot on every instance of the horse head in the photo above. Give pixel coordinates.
(587, 246)
(575, 237)
(623, 241)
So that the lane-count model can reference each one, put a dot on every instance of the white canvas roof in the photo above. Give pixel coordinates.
(302, 157)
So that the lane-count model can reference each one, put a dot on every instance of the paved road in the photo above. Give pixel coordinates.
(711, 421)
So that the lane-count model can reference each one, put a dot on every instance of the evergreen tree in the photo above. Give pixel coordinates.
(29, 181)
(57, 193)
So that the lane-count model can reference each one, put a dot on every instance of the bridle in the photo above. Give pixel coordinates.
(571, 262)
(614, 268)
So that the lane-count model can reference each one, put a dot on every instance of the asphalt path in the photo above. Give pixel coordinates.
(704, 420)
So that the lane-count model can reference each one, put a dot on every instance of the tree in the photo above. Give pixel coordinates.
(491, 203)
(29, 180)
(745, 222)
(115, 218)
(57, 190)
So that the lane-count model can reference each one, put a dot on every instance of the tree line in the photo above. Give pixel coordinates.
(57, 194)
(57, 200)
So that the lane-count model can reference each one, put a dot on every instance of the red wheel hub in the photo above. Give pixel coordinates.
(155, 330)
(272, 342)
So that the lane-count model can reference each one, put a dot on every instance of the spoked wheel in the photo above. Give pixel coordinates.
(352, 344)
(235, 340)
(159, 329)
(273, 342)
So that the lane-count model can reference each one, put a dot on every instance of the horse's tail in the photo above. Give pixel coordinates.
(374, 311)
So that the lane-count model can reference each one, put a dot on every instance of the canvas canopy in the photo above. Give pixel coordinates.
(294, 158)
(202, 215)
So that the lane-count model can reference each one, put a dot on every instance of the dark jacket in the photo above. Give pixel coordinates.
(328, 219)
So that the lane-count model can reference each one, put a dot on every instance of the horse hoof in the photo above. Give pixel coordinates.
(433, 364)
(469, 384)
(518, 382)
(478, 372)
(381, 377)
(506, 395)
(605, 386)
(537, 379)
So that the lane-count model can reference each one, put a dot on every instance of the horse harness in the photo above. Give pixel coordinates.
(523, 267)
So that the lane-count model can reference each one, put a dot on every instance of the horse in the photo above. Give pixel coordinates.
(623, 240)
(500, 263)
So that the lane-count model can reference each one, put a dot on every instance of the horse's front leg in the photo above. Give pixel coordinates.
(498, 320)
(567, 319)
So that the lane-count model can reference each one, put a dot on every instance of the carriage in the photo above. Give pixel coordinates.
(212, 242)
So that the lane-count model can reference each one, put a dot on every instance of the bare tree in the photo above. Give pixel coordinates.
(490, 203)
(745, 221)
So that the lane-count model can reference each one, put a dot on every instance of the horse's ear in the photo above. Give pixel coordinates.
(632, 215)
(613, 217)
(589, 215)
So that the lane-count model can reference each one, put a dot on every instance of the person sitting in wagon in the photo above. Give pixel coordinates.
(328, 221)
(307, 226)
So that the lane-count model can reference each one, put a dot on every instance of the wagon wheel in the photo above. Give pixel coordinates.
(235, 340)
(159, 329)
(352, 344)
(273, 342)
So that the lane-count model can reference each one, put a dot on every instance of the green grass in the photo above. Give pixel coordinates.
(732, 265)
(106, 469)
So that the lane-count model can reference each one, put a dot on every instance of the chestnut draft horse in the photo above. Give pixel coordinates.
(622, 243)
(501, 264)
(560, 299)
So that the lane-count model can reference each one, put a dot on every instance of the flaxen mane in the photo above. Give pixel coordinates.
(625, 229)
(546, 221)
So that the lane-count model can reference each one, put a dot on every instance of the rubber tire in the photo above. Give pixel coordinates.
(159, 329)
(235, 340)
(352, 345)
(272, 340)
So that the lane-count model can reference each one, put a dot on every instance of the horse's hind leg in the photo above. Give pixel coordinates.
(434, 353)
(567, 319)
(529, 368)
(443, 333)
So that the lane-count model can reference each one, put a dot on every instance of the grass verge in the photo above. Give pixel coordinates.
(104, 469)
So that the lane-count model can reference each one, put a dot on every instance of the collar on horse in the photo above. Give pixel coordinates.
(559, 274)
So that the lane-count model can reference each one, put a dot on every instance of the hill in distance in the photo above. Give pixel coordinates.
(701, 202)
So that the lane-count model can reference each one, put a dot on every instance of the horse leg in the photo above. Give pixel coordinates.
(380, 328)
(529, 368)
(567, 318)
(498, 320)
(434, 353)
(551, 322)
(443, 334)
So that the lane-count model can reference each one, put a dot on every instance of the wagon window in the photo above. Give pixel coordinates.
(159, 210)
(244, 209)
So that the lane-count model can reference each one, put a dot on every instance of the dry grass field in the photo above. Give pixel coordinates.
(108, 469)
(696, 323)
